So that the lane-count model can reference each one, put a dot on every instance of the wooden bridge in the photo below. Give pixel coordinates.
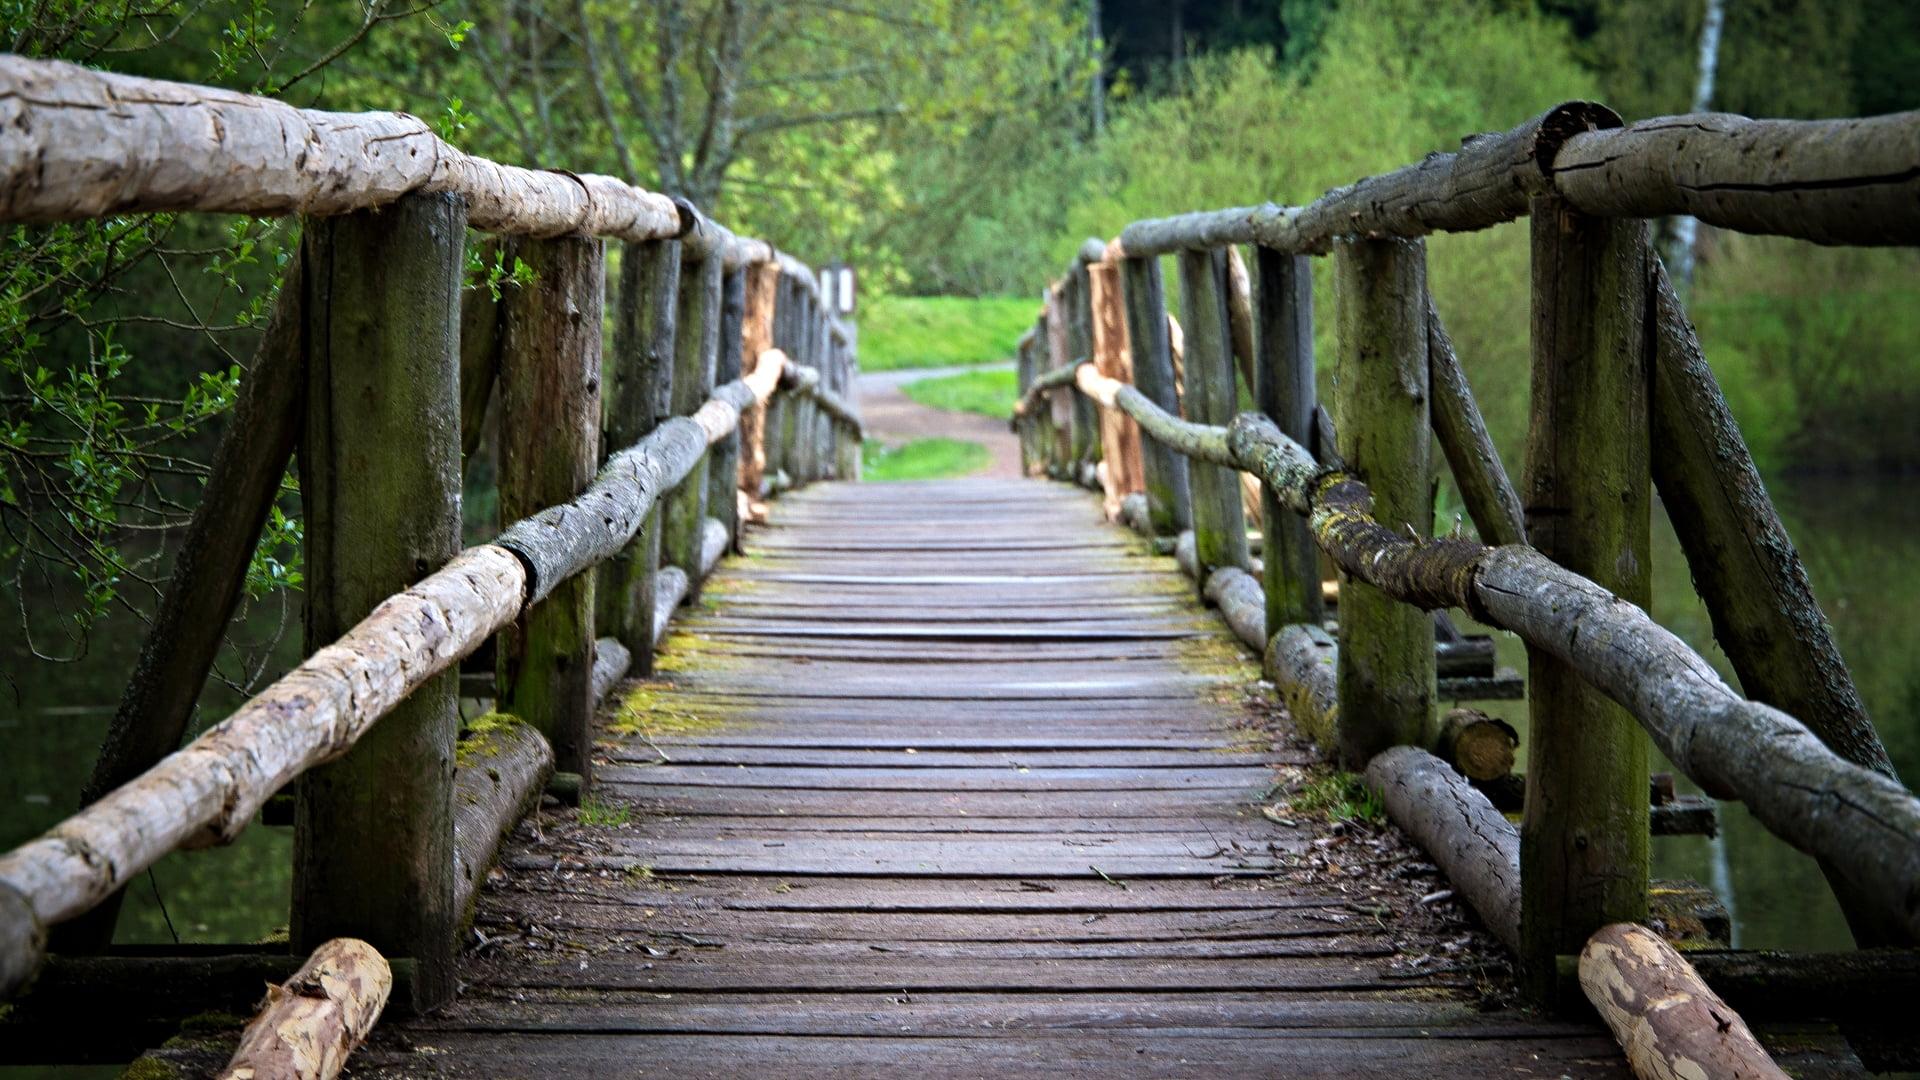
(959, 776)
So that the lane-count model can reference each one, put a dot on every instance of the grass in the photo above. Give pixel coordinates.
(989, 393)
(605, 814)
(921, 459)
(1339, 796)
(940, 331)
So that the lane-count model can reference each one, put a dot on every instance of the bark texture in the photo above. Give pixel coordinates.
(1164, 471)
(1471, 842)
(1670, 1024)
(1219, 526)
(77, 143)
(1237, 594)
(1829, 181)
(1303, 662)
(500, 769)
(311, 1023)
(1119, 435)
(1386, 649)
(380, 488)
(1471, 456)
(1283, 389)
(1587, 494)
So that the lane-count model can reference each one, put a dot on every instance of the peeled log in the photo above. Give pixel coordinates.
(1671, 1026)
(1481, 747)
(313, 1021)
(1471, 842)
(500, 769)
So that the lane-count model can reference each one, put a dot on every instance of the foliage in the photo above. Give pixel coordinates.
(921, 459)
(1338, 796)
(988, 393)
(940, 331)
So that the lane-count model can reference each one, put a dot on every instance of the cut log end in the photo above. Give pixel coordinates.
(309, 1024)
(1667, 1020)
(1481, 747)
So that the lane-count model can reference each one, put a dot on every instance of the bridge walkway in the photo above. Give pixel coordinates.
(950, 776)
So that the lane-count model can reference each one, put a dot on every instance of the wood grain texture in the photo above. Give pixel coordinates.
(965, 856)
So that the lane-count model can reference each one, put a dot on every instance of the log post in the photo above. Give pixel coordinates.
(763, 283)
(1744, 565)
(849, 386)
(1219, 525)
(311, 1023)
(637, 378)
(204, 585)
(778, 420)
(380, 480)
(1168, 506)
(1283, 389)
(695, 355)
(1119, 435)
(549, 452)
(723, 475)
(1386, 648)
(1586, 492)
(1022, 380)
(1667, 1020)
(1084, 446)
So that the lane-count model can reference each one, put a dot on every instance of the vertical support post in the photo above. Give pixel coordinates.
(1284, 391)
(380, 478)
(695, 356)
(1219, 524)
(549, 451)
(1169, 505)
(723, 477)
(1022, 380)
(849, 467)
(1078, 308)
(637, 379)
(1386, 667)
(1586, 492)
(779, 408)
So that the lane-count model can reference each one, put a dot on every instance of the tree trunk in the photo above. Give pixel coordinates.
(312, 1022)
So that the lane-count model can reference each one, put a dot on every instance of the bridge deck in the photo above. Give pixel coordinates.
(952, 778)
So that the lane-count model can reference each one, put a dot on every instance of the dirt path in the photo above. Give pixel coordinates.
(893, 418)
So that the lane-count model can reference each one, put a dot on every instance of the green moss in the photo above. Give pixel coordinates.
(1338, 796)
(480, 737)
(603, 814)
(648, 711)
(146, 1068)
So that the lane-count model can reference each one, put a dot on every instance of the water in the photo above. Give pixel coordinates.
(1860, 539)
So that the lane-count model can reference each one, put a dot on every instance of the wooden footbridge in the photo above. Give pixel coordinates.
(961, 776)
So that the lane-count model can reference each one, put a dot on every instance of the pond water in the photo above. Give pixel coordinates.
(1860, 540)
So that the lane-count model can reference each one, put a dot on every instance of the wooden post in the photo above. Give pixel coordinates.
(1386, 665)
(1023, 372)
(1586, 493)
(380, 480)
(1219, 525)
(779, 411)
(849, 467)
(1284, 391)
(723, 475)
(1078, 308)
(695, 356)
(549, 451)
(637, 379)
(1168, 505)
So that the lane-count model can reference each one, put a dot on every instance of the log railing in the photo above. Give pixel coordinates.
(1623, 403)
(626, 458)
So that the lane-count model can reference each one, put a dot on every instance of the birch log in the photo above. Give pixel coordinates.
(310, 1024)
(1670, 1024)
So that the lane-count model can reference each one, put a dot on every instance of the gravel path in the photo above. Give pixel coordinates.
(893, 418)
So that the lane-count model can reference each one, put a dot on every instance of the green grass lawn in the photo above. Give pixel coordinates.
(921, 459)
(989, 393)
(941, 331)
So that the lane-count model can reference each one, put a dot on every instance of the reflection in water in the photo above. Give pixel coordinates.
(1860, 539)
